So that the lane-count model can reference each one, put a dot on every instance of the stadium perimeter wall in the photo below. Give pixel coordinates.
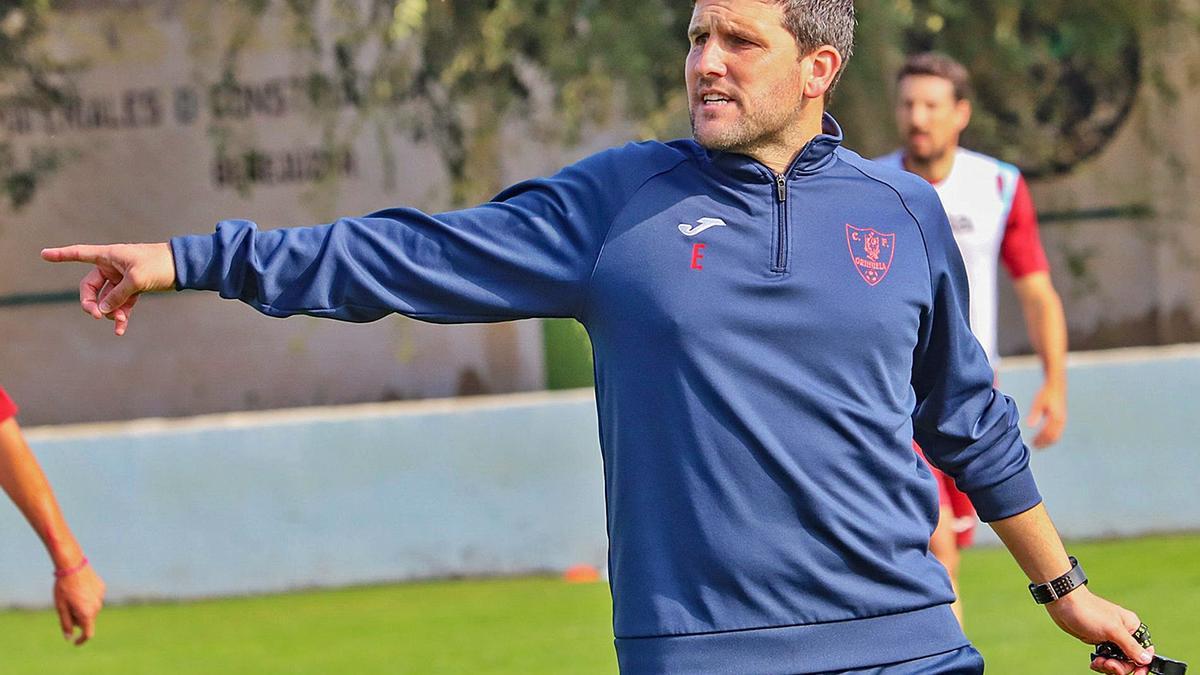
(263, 502)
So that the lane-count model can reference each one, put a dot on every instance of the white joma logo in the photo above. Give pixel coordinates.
(700, 226)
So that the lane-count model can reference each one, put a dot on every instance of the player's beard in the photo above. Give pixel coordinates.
(933, 153)
(757, 125)
(924, 159)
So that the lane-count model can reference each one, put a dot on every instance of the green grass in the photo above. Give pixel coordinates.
(547, 626)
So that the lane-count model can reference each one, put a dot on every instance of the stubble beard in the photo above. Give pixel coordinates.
(732, 138)
(925, 159)
(748, 133)
(933, 155)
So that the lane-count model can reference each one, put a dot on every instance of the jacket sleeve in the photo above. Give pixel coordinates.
(528, 253)
(965, 427)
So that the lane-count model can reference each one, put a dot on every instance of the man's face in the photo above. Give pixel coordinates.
(930, 118)
(745, 78)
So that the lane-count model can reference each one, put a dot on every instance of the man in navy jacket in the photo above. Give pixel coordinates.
(774, 320)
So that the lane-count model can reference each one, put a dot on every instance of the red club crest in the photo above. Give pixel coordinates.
(871, 252)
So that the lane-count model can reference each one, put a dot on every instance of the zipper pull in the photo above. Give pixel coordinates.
(781, 187)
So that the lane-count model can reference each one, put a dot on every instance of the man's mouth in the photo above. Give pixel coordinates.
(715, 99)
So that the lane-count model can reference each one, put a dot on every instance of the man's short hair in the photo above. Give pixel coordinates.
(939, 65)
(815, 23)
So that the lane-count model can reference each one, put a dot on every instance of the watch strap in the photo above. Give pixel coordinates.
(1056, 588)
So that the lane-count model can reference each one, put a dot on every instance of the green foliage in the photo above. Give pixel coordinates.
(453, 72)
(28, 79)
(1054, 79)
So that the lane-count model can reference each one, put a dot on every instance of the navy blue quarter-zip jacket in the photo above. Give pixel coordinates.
(767, 347)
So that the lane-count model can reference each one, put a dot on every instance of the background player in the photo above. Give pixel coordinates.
(993, 218)
(78, 590)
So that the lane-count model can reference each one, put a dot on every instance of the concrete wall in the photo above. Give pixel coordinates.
(1128, 461)
(263, 502)
(315, 497)
(144, 162)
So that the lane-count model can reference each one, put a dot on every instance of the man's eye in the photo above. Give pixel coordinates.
(698, 40)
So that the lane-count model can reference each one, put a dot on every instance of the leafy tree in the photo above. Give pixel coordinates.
(30, 80)
(1054, 79)
(453, 71)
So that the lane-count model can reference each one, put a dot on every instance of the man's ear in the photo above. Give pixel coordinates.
(824, 63)
(962, 113)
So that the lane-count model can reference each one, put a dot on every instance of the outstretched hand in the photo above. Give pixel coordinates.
(122, 272)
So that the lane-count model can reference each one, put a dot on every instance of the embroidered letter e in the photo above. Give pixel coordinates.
(697, 254)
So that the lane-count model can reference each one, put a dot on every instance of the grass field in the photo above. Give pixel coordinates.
(547, 626)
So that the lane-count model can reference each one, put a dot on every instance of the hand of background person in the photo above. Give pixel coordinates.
(78, 598)
(121, 273)
(1093, 620)
(1049, 409)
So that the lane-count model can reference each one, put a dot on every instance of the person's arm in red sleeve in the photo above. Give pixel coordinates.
(1025, 259)
(78, 590)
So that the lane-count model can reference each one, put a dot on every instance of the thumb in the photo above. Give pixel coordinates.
(119, 295)
(1124, 640)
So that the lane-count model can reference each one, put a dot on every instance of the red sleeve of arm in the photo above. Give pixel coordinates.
(1021, 251)
(7, 407)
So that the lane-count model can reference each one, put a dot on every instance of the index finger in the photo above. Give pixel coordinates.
(76, 253)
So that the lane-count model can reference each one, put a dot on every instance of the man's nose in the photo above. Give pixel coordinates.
(918, 116)
(712, 60)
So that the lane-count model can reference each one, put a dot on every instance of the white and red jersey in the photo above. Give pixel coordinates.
(993, 218)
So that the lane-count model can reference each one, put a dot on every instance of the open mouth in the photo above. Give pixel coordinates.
(715, 100)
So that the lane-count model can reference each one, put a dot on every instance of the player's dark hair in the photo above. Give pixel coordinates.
(939, 65)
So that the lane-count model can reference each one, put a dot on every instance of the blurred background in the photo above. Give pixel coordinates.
(331, 455)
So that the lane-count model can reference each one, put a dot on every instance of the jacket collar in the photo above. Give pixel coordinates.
(815, 156)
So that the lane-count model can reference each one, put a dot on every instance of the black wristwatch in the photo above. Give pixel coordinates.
(1056, 588)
